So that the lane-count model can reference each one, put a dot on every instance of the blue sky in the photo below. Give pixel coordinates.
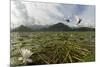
(39, 13)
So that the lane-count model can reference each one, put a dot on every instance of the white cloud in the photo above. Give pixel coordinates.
(28, 13)
(18, 13)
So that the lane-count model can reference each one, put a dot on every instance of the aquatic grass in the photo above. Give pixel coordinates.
(51, 48)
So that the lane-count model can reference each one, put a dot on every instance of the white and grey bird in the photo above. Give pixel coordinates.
(78, 20)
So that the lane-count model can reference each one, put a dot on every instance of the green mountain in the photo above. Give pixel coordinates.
(54, 27)
(83, 29)
(58, 27)
(22, 28)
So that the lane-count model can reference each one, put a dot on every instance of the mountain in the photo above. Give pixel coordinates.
(22, 28)
(54, 27)
(84, 29)
(37, 27)
(58, 27)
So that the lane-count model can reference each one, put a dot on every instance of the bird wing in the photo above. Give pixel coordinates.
(78, 20)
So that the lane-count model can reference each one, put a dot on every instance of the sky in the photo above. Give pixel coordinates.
(41, 13)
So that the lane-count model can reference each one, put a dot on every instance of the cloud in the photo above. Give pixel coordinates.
(19, 15)
(28, 13)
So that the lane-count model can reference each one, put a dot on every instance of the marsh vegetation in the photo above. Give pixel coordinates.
(52, 47)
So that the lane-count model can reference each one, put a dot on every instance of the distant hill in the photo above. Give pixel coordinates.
(54, 27)
(58, 27)
(22, 28)
(83, 29)
(37, 27)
